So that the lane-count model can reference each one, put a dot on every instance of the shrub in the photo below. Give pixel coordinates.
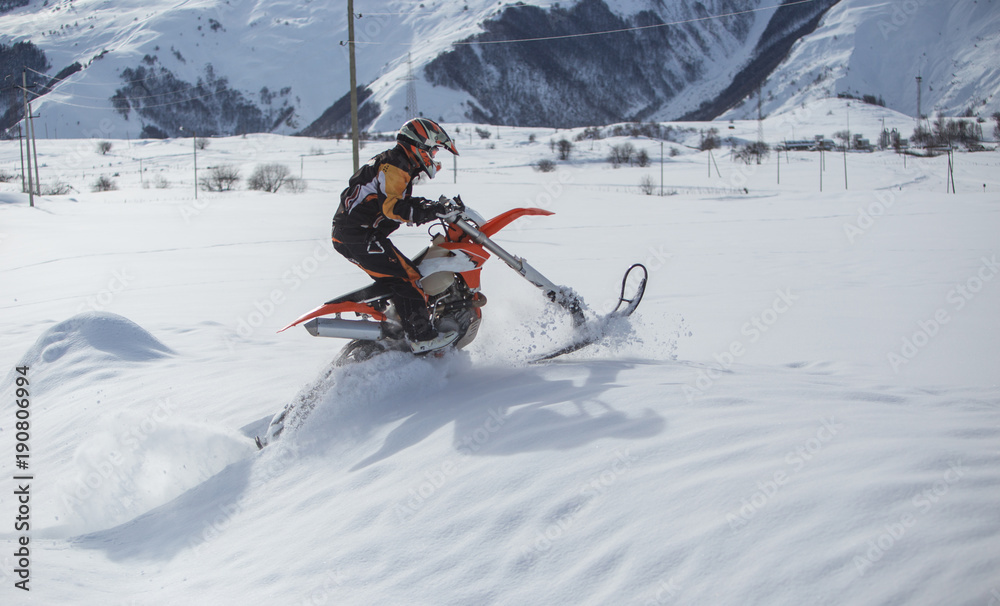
(6, 177)
(753, 152)
(201, 143)
(483, 133)
(295, 185)
(104, 183)
(103, 147)
(565, 148)
(647, 185)
(221, 178)
(269, 177)
(545, 165)
(642, 158)
(620, 154)
(710, 140)
(57, 188)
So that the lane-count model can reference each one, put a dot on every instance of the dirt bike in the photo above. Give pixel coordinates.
(461, 242)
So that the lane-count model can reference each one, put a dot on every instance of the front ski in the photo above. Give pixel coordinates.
(592, 332)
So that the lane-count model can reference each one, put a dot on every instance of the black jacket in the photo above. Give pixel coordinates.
(378, 198)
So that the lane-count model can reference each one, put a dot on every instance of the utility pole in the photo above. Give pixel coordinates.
(661, 167)
(760, 122)
(20, 143)
(847, 143)
(34, 152)
(195, 149)
(354, 86)
(919, 94)
(27, 132)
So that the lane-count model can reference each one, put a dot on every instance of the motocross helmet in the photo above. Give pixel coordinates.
(421, 138)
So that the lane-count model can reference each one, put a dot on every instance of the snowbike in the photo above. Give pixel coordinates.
(461, 242)
(451, 267)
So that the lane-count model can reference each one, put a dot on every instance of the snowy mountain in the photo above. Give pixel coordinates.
(878, 48)
(132, 69)
(805, 408)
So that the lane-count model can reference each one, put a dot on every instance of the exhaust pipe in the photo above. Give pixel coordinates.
(344, 329)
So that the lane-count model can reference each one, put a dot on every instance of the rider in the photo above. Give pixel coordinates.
(375, 202)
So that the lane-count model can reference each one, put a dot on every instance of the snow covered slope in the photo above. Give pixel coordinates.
(218, 67)
(806, 410)
(878, 48)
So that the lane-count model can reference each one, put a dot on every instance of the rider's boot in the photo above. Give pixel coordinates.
(424, 338)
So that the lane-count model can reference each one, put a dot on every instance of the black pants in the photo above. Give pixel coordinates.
(386, 265)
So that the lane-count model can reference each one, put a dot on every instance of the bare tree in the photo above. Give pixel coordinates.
(620, 154)
(269, 177)
(753, 152)
(220, 178)
(103, 147)
(709, 140)
(642, 158)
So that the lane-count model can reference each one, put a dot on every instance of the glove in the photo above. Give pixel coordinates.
(424, 211)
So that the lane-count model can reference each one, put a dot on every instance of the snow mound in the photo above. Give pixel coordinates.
(91, 340)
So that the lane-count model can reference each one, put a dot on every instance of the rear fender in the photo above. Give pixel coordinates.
(336, 308)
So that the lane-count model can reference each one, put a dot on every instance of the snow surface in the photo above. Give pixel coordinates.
(751, 438)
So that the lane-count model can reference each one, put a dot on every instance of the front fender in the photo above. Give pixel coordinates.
(503, 220)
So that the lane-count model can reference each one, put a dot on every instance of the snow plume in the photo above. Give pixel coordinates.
(139, 462)
(348, 402)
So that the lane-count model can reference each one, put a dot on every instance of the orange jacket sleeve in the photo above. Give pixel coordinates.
(395, 183)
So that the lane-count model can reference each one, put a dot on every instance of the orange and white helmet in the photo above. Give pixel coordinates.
(421, 139)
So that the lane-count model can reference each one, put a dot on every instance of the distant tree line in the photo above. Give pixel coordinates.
(209, 107)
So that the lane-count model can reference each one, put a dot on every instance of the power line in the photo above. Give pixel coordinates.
(610, 31)
(67, 79)
(144, 105)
